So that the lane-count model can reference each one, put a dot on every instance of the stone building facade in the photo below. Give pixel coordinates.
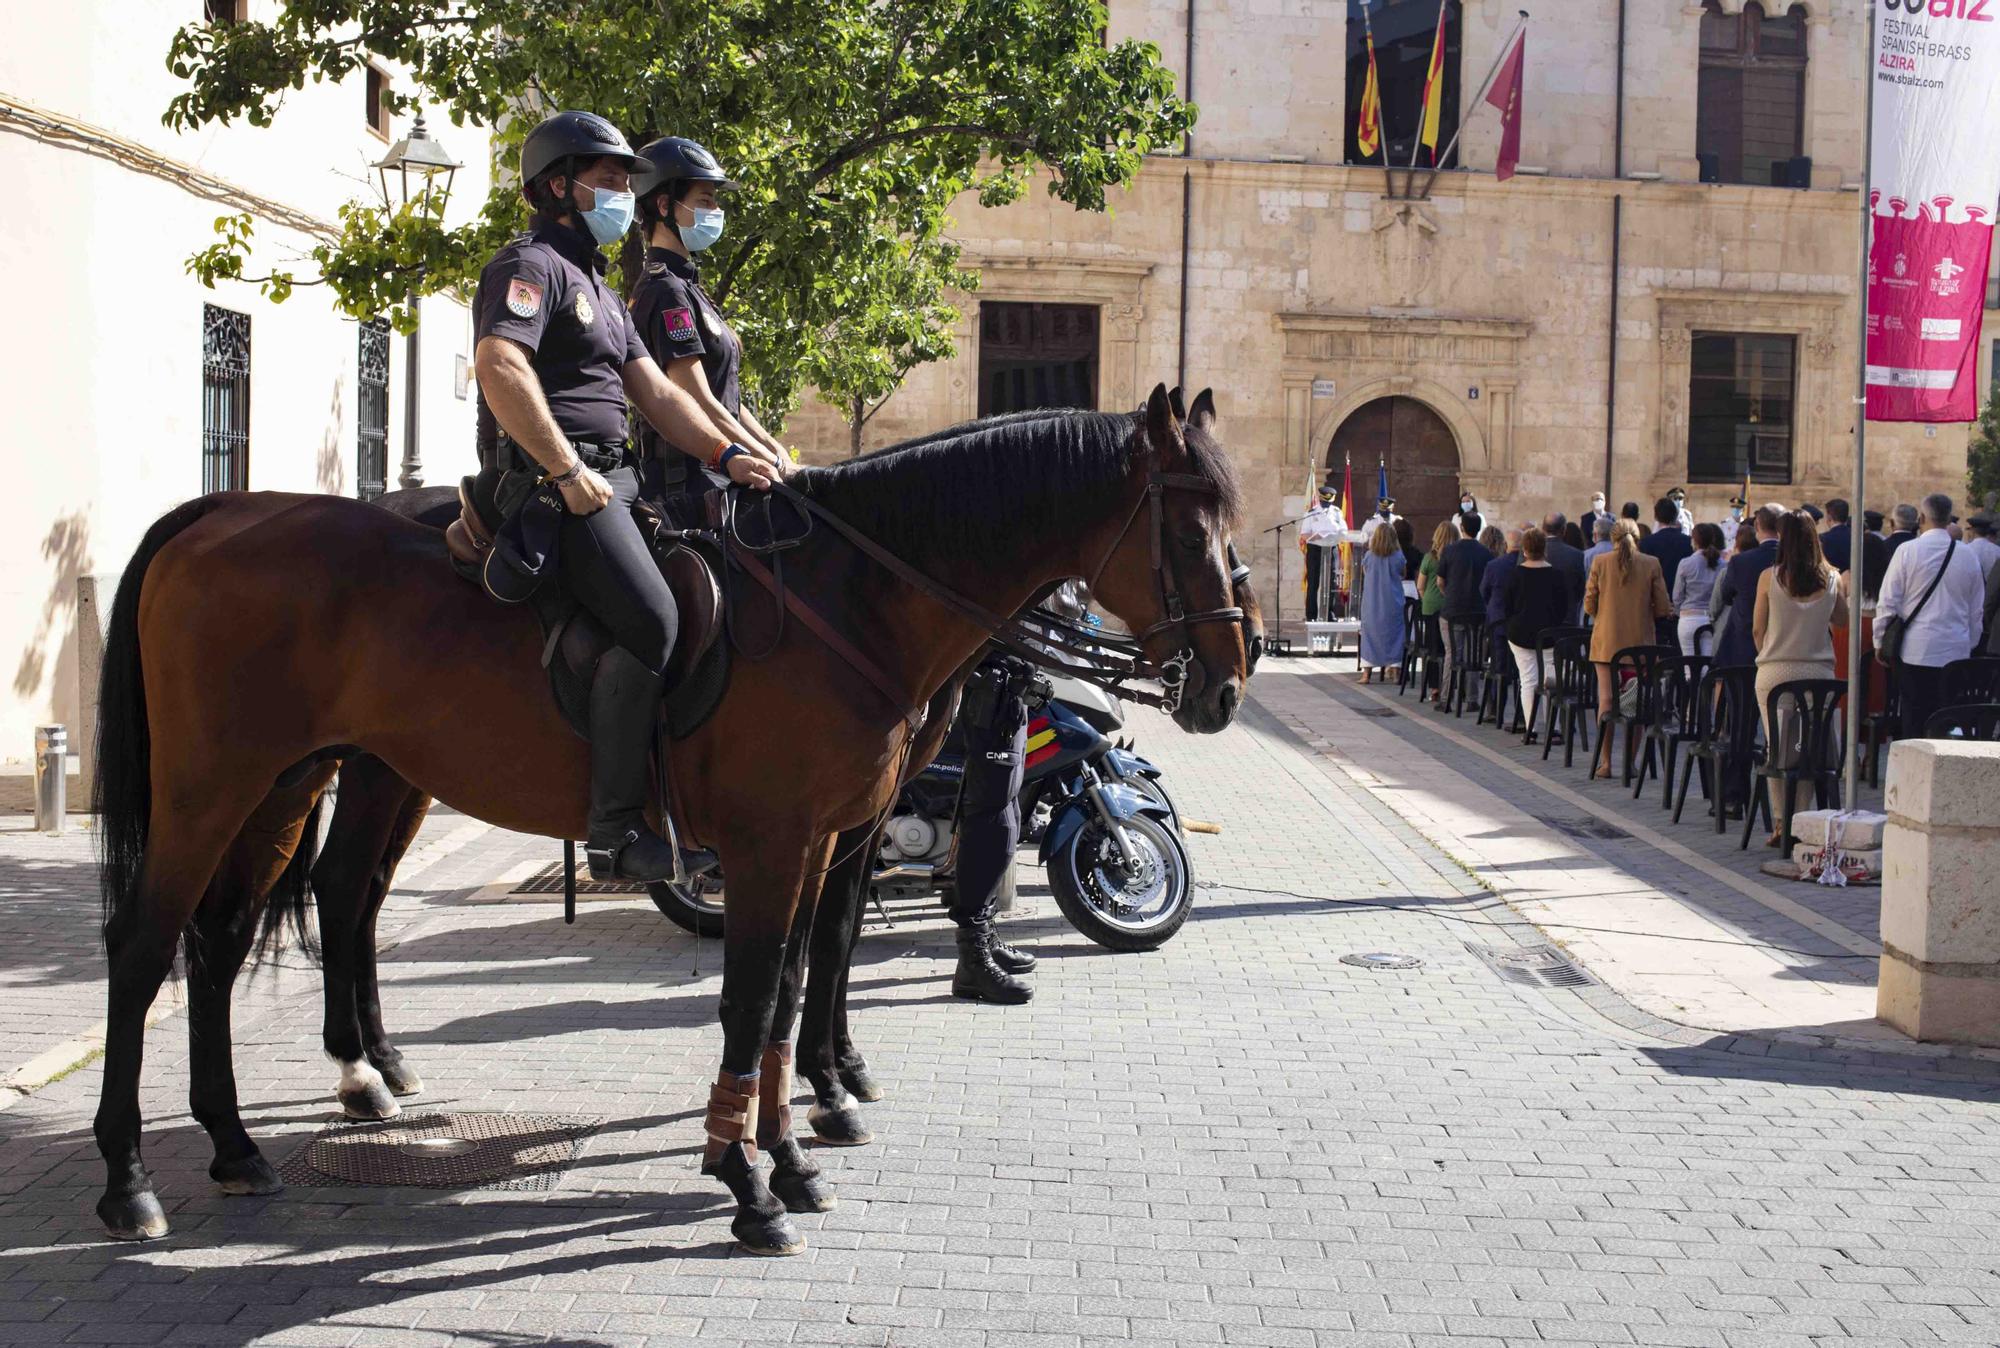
(1522, 362)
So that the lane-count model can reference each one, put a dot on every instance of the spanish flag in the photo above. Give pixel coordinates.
(1434, 88)
(1368, 132)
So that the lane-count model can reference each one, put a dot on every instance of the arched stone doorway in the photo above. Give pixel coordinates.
(1418, 448)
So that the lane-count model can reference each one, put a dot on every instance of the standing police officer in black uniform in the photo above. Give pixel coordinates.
(994, 719)
(557, 356)
(680, 325)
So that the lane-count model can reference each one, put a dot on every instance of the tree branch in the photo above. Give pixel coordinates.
(856, 149)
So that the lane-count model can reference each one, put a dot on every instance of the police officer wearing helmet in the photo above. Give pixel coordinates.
(680, 325)
(557, 358)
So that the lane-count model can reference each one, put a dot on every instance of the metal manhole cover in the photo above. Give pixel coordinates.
(442, 1151)
(1584, 828)
(549, 880)
(1540, 966)
(1382, 959)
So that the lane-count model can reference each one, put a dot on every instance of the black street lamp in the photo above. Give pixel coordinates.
(419, 163)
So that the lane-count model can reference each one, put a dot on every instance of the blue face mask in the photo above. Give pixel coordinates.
(705, 230)
(611, 216)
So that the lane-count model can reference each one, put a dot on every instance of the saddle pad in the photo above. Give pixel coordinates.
(688, 704)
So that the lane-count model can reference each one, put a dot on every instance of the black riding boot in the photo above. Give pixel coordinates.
(1011, 958)
(979, 977)
(624, 707)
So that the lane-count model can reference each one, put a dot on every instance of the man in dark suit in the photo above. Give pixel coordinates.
(1905, 520)
(1838, 540)
(1669, 545)
(1588, 520)
(1567, 560)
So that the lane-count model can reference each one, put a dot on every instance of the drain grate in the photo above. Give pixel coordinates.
(1583, 828)
(1382, 959)
(442, 1151)
(549, 880)
(1537, 966)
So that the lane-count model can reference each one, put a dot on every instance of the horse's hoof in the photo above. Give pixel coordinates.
(132, 1216)
(803, 1191)
(400, 1077)
(246, 1176)
(839, 1126)
(369, 1104)
(860, 1084)
(767, 1235)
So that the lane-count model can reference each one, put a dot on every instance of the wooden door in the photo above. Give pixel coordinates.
(1419, 450)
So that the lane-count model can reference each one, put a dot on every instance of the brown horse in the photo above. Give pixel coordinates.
(255, 636)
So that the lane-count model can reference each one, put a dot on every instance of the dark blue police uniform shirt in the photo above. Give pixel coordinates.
(546, 290)
(676, 319)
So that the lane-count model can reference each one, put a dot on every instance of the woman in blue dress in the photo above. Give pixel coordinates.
(1381, 604)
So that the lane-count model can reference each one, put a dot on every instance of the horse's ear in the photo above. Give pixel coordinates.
(1163, 431)
(1174, 399)
(1202, 414)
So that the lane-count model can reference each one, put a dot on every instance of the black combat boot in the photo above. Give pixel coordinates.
(979, 978)
(1012, 958)
(624, 706)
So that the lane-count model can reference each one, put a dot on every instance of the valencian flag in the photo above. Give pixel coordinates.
(1505, 94)
(1368, 131)
(1434, 89)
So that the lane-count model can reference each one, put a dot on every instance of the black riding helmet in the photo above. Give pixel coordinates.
(677, 159)
(575, 135)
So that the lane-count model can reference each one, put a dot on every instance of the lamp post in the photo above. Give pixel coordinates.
(420, 158)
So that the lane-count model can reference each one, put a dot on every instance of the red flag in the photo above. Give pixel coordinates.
(1506, 96)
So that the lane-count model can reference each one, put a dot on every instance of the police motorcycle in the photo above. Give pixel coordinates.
(1108, 833)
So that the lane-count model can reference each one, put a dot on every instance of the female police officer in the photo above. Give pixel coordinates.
(557, 357)
(678, 322)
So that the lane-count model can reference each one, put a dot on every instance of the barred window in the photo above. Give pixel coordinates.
(1751, 99)
(225, 399)
(371, 470)
(1740, 392)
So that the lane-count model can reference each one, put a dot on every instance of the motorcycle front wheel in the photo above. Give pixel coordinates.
(1123, 909)
(695, 906)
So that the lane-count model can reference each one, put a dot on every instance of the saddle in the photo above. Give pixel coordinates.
(573, 641)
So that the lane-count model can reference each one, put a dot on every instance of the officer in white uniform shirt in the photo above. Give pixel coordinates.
(1322, 529)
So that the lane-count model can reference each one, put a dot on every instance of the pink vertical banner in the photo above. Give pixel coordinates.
(1934, 180)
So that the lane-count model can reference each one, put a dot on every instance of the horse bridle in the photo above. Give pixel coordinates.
(1094, 657)
(1174, 672)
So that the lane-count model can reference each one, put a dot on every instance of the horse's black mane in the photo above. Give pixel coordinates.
(972, 490)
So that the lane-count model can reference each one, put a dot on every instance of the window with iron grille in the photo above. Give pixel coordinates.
(371, 471)
(1750, 101)
(225, 399)
(1740, 393)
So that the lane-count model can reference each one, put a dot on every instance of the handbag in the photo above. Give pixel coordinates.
(1889, 640)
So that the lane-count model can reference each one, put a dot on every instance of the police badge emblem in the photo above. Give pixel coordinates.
(584, 313)
(524, 298)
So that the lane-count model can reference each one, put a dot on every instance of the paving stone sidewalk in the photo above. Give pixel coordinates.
(1237, 1139)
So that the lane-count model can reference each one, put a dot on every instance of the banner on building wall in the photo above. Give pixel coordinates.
(1934, 180)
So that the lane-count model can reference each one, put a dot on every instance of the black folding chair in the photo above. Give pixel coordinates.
(1644, 664)
(1501, 676)
(1574, 701)
(1971, 681)
(1879, 727)
(1980, 721)
(1799, 748)
(1683, 678)
(1413, 637)
(1545, 672)
(1725, 709)
(1468, 659)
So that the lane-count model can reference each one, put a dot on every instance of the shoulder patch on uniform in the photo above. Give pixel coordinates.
(679, 323)
(524, 298)
(656, 269)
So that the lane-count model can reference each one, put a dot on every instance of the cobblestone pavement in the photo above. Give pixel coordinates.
(1235, 1140)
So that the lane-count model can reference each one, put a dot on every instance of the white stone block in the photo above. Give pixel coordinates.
(1860, 829)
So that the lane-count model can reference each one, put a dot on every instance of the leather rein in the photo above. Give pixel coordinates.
(1043, 638)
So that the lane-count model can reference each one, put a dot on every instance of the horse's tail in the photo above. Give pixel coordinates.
(122, 796)
(291, 898)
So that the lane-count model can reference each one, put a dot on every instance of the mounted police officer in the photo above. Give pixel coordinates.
(681, 216)
(557, 357)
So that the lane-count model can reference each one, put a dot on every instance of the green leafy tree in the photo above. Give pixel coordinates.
(853, 125)
(1982, 456)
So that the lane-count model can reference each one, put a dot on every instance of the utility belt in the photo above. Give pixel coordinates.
(598, 456)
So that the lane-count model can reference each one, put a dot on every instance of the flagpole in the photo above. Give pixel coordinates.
(1466, 109)
(1381, 131)
(1437, 45)
(1857, 516)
